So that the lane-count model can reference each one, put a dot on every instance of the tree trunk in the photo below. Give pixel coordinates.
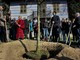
(7, 34)
(38, 15)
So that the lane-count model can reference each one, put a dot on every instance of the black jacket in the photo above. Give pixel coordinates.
(56, 20)
(77, 22)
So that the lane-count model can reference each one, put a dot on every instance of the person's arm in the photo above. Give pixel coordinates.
(3, 20)
(17, 23)
(52, 21)
(59, 18)
(74, 23)
(22, 25)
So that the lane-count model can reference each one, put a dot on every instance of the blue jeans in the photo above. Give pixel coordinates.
(46, 33)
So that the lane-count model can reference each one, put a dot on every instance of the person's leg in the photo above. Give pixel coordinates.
(1, 37)
(68, 37)
(0, 33)
(61, 36)
(3, 34)
(73, 36)
(46, 33)
(14, 34)
(64, 37)
(57, 32)
(34, 33)
(27, 33)
(78, 34)
(53, 35)
(57, 37)
(30, 34)
(10, 33)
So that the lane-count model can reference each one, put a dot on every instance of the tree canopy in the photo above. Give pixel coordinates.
(5, 9)
(73, 7)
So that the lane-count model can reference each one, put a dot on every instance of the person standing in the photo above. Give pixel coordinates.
(74, 31)
(13, 28)
(2, 30)
(35, 26)
(77, 25)
(45, 30)
(68, 29)
(63, 30)
(26, 31)
(56, 27)
(30, 28)
(20, 28)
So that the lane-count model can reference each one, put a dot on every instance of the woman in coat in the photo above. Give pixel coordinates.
(20, 29)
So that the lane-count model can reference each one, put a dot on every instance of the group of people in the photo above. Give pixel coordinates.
(50, 29)
(55, 29)
(23, 28)
(65, 27)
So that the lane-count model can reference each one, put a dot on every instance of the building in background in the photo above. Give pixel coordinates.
(28, 8)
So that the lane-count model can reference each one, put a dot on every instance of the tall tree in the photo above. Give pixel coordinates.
(39, 2)
(38, 14)
(73, 7)
(5, 8)
(0, 0)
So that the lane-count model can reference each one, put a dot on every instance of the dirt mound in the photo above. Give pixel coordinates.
(15, 50)
(70, 53)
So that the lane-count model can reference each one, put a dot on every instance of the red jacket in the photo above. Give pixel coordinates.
(20, 29)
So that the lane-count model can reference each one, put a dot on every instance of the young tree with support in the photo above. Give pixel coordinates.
(39, 53)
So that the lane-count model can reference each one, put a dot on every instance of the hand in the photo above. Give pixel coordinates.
(74, 26)
(48, 21)
(4, 20)
(53, 22)
(19, 25)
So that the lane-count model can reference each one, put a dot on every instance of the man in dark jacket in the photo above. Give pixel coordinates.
(63, 29)
(56, 27)
(13, 29)
(77, 25)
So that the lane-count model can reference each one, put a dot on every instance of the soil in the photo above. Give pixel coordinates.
(16, 50)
